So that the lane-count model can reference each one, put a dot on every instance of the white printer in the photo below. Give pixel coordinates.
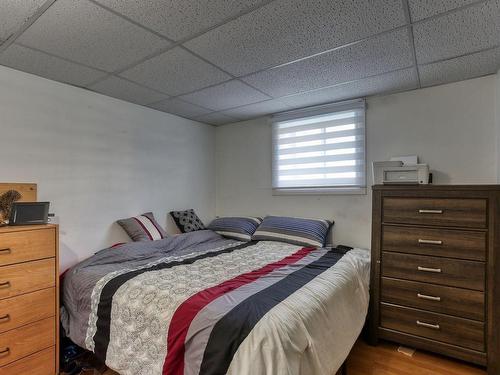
(406, 170)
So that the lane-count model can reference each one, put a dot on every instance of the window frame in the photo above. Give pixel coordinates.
(310, 112)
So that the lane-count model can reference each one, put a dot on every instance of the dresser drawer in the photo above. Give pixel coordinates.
(441, 299)
(470, 213)
(26, 340)
(41, 363)
(23, 246)
(457, 331)
(458, 273)
(439, 242)
(27, 308)
(26, 277)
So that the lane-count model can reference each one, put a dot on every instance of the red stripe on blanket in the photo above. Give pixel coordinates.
(187, 311)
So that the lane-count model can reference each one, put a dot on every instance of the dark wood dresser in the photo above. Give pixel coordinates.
(435, 281)
(29, 295)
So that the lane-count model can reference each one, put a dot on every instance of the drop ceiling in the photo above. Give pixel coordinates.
(223, 61)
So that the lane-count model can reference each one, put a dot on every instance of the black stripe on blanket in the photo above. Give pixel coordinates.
(229, 332)
(101, 337)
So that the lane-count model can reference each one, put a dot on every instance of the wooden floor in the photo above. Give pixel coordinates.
(384, 359)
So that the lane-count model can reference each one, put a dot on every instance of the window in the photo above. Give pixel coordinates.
(320, 149)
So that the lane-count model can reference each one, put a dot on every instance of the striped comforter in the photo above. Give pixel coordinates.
(238, 308)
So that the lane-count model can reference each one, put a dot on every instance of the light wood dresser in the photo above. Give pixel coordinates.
(435, 281)
(29, 313)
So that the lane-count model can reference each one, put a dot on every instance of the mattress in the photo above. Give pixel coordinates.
(200, 304)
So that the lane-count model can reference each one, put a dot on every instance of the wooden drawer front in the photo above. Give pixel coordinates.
(468, 213)
(457, 331)
(27, 308)
(439, 242)
(23, 246)
(27, 340)
(457, 273)
(26, 277)
(441, 299)
(41, 363)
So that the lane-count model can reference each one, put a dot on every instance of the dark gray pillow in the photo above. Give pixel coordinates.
(143, 228)
(187, 221)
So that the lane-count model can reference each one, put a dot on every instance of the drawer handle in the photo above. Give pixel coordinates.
(427, 269)
(430, 298)
(5, 285)
(5, 251)
(430, 211)
(4, 352)
(430, 242)
(427, 325)
(4, 318)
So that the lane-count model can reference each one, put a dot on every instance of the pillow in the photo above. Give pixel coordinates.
(297, 231)
(143, 228)
(187, 221)
(239, 228)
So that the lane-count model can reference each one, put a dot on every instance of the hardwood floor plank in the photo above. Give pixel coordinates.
(384, 359)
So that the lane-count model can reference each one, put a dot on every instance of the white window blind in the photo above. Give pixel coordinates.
(320, 148)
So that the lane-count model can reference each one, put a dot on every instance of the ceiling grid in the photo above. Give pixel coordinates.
(232, 60)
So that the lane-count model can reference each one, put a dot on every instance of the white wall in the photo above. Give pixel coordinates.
(98, 159)
(452, 127)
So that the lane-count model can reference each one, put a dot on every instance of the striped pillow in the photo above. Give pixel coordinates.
(239, 228)
(143, 228)
(298, 231)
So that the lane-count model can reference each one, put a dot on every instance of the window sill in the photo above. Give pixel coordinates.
(315, 191)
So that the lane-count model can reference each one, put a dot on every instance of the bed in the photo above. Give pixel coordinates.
(198, 303)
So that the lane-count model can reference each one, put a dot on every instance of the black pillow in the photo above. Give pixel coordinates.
(187, 221)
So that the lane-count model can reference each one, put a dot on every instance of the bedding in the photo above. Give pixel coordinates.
(197, 303)
(239, 228)
(294, 230)
(187, 221)
(143, 228)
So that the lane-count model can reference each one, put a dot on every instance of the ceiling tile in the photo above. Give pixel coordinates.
(216, 119)
(180, 19)
(420, 9)
(176, 72)
(377, 55)
(14, 13)
(84, 32)
(258, 109)
(41, 64)
(460, 68)
(469, 30)
(285, 30)
(180, 108)
(122, 89)
(227, 95)
(401, 80)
